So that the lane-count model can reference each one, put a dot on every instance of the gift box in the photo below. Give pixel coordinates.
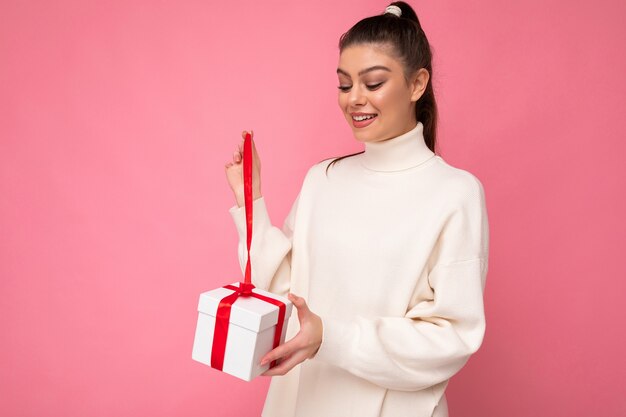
(237, 326)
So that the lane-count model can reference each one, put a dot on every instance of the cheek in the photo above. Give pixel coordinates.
(387, 99)
(379, 100)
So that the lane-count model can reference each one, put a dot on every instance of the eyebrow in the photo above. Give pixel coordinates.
(375, 67)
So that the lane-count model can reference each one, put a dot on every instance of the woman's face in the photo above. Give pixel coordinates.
(374, 95)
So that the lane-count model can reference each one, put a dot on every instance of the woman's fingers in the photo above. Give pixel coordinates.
(286, 365)
(279, 352)
(301, 306)
(254, 152)
(298, 301)
(243, 134)
(241, 142)
(238, 154)
(238, 157)
(303, 346)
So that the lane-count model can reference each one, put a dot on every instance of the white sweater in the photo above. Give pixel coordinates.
(390, 250)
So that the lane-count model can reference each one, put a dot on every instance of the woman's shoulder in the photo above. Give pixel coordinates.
(455, 180)
(313, 174)
(319, 169)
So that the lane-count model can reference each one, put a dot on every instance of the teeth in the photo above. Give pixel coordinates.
(361, 118)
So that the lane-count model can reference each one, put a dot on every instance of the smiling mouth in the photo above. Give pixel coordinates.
(361, 118)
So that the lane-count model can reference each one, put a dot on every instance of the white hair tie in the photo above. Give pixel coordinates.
(394, 10)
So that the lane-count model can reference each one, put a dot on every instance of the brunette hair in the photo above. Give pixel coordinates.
(410, 46)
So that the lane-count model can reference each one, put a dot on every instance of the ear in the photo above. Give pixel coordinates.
(419, 82)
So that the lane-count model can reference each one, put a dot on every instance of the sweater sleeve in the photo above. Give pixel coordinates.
(436, 337)
(270, 248)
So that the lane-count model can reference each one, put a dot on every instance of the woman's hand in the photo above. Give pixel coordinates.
(234, 172)
(303, 346)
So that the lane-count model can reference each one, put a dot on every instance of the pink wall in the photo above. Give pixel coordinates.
(116, 119)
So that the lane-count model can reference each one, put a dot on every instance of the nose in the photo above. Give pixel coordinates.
(356, 97)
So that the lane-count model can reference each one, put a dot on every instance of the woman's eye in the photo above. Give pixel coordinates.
(347, 88)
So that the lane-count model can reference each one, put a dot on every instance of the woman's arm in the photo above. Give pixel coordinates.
(270, 248)
(427, 346)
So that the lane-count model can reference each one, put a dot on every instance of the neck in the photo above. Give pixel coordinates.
(407, 150)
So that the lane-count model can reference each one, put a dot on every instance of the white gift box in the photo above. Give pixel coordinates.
(250, 331)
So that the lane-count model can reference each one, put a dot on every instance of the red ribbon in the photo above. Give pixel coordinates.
(222, 316)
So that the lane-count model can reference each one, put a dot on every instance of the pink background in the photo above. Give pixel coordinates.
(117, 118)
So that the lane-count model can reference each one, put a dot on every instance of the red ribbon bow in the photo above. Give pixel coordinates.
(222, 316)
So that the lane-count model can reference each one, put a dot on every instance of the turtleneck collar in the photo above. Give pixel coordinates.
(401, 152)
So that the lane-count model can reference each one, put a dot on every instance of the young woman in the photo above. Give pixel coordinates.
(386, 249)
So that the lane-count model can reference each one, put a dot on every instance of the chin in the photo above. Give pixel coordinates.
(358, 135)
